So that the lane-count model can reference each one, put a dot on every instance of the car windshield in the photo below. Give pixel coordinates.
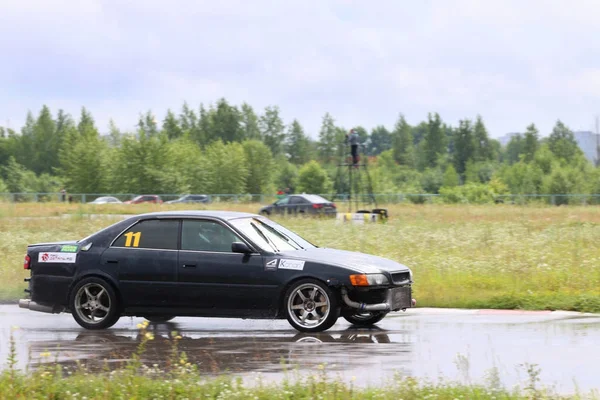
(269, 235)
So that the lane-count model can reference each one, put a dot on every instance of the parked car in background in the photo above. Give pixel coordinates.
(311, 204)
(145, 198)
(106, 200)
(190, 198)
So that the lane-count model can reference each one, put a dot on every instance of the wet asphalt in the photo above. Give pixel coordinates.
(462, 345)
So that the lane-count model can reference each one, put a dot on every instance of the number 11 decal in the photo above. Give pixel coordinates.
(135, 236)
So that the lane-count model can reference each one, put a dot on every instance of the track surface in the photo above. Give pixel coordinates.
(428, 343)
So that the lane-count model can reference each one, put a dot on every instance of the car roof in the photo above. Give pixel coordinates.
(224, 215)
(311, 197)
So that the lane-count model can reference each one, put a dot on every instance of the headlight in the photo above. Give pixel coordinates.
(369, 280)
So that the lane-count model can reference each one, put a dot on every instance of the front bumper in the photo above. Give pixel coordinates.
(396, 299)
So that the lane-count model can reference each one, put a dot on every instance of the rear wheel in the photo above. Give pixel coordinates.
(365, 318)
(311, 306)
(94, 304)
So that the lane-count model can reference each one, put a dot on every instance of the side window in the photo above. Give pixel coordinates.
(151, 234)
(283, 201)
(201, 235)
(298, 200)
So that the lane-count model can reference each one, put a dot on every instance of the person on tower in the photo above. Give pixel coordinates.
(353, 139)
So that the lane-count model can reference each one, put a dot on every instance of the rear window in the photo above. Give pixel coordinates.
(151, 234)
(313, 198)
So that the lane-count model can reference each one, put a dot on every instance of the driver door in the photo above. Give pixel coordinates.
(216, 280)
(282, 206)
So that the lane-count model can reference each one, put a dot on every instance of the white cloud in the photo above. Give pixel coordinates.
(514, 62)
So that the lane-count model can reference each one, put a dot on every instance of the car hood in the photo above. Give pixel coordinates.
(360, 262)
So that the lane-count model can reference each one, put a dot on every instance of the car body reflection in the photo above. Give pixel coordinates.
(216, 352)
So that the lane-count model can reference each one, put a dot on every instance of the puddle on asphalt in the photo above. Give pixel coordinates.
(462, 347)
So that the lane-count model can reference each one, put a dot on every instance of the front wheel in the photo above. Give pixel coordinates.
(94, 304)
(365, 318)
(310, 306)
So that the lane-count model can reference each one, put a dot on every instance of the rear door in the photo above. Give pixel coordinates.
(212, 277)
(145, 257)
(299, 204)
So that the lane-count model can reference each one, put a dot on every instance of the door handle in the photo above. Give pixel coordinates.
(189, 265)
(112, 261)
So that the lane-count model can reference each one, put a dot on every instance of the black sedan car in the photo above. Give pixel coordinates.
(303, 204)
(211, 264)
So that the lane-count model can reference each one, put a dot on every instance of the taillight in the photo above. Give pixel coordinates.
(333, 205)
(317, 206)
(27, 263)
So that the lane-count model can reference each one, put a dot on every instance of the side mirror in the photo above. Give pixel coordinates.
(239, 247)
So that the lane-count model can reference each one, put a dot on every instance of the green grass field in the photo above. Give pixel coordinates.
(497, 256)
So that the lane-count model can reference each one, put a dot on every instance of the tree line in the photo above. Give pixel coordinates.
(226, 148)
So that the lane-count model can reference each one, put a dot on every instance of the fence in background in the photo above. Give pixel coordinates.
(394, 198)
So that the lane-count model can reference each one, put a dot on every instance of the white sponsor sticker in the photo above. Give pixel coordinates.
(272, 264)
(46, 257)
(291, 264)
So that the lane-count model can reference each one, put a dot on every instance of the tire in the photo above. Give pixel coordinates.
(366, 318)
(159, 318)
(103, 298)
(299, 302)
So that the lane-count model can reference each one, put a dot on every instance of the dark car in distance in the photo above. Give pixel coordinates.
(303, 204)
(190, 198)
(211, 264)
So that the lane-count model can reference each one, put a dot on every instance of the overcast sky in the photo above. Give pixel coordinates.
(513, 62)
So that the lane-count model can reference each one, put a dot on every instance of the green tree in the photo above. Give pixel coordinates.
(226, 168)
(380, 140)
(171, 126)
(327, 138)
(514, 149)
(188, 120)
(464, 146)
(184, 177)
(435, 140)
(147, 124)
(114, 134)
(286, 174)
(43, 153)
(450, 177)
(259, 162)
(17, 178)
(272, 129)
(482, 150)
(86, 125)
(432, 180)
(312, 178)
(82, 163)
(562, 142)
(531, 143)
(225, 123)
(403, 143)
(298, 146)
(139, 164)
(249, 123)
(192, 125)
